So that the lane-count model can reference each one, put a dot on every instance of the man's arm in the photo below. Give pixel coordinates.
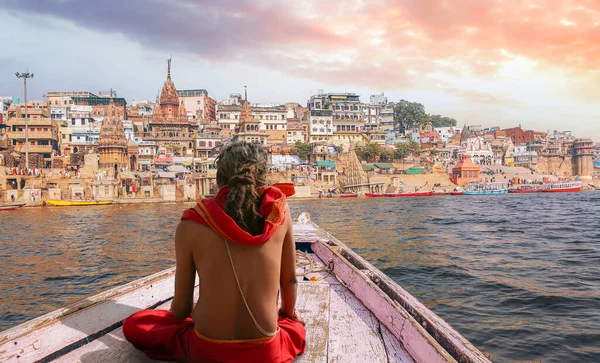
(185, 273)
(287, 278)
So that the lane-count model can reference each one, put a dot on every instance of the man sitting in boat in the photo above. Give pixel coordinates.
(241, 245)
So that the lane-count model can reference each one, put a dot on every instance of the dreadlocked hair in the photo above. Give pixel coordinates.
(242, 167)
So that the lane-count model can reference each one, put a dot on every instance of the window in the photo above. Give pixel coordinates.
(73, 121)
(83, 121)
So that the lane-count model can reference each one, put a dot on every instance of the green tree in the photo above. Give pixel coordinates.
(302, 150)
(386, 155)
(408, 115)
(369, 152)
(442, 121)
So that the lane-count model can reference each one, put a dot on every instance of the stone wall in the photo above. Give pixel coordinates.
(555, 165)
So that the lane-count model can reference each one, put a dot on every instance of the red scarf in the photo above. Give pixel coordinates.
(211, 213)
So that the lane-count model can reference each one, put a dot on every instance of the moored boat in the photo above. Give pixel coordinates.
(61, 203)
(374, 195)
(10, 206)
(562, 187)
(526, 188)
(457, 192)
(349, 195)
(353, 313)
(486, 188)
(415, 194)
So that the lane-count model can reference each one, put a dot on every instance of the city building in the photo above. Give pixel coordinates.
(5, 103)
(519, 136)
(208, 145)
(386, 117)
(42, 133)
(295, 132)
(273, 120)
(523, 156)
(198, 104)
(445, 133)
(378, 100)
(79, 131)
(169, 126)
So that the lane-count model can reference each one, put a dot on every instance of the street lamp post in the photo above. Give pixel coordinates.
(25, 76)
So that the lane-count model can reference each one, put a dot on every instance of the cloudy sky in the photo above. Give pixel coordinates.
(488, 62)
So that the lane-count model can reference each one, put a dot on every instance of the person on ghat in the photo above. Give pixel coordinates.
(241, 245)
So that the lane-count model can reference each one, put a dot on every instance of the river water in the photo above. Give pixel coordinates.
(517, 275)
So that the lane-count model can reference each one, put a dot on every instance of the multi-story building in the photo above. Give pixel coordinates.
(271, 117)
(295, 132)
(445, 133)
(207, 144)
(5, 103)
(519, 136)
(42, 133)
(378, 100)
(386, 117)
(273, 120)
(524, 157)
(79, 131)
(372, 111)
(198, 104)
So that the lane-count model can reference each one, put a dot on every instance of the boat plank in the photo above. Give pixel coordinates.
(48, 334)
(111, 347)
(351, 322)
(313, 307)
(396, 352)
(418, 343)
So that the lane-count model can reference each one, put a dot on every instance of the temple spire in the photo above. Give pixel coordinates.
(169, 67)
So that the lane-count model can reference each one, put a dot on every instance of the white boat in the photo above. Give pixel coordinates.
(486, 188)
(562, 187)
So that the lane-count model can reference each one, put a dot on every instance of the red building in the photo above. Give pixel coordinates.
(518, 136)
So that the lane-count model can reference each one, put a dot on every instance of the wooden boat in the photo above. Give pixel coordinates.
(374, 195)
(415, 194)
(562, 187)
(60, 203)
(349, 195)
(486, 188)
(457, 192)
(526, 188)
(10, 206)
(353, 313)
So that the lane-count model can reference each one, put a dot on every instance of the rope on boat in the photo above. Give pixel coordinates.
(307, 263)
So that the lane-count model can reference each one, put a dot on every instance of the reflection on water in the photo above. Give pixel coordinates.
(518, 275)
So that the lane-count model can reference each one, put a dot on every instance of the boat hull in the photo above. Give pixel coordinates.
(485, 192)
(351, 195)
(457, 193)
(374, 195)
(9, 207)
(563, 190)
(521, 191)
(65, 203)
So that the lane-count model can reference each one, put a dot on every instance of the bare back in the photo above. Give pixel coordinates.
(220, 312)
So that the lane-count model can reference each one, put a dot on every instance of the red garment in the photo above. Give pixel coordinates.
(134, 187)
(209, 212)
(160, 336)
